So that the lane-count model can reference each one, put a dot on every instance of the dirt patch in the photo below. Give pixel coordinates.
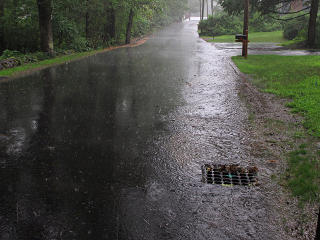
(273, 128)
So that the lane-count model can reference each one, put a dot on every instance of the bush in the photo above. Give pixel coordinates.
(22, 58)
(10, 54)
(224, 24)
(294, 28)
(261, 23)
(220, 24)
(141, 27)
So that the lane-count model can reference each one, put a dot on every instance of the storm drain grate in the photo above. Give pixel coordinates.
(229, 175)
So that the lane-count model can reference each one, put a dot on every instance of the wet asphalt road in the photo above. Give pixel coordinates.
(111, 147)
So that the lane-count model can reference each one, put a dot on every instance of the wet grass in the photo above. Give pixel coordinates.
(303, 174)
(293, 43)
(275, 37)
(45, 63)
(293, 77)
(298, 79)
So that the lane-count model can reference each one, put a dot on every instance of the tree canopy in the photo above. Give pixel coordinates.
(278, 7)
(80, 24)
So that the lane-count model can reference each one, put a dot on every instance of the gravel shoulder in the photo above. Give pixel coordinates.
(272, 128)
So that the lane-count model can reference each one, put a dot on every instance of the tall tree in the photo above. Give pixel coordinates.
(313, 23)
(1, 25)
(207, 9)
(45, 25)
(212, 7)
(87, 20)
(129, 26)
(110, 31)
(200, 9)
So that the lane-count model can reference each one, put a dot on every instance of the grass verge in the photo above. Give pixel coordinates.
(276, 37)
(26, 68)
(293, 44)
(45, 63)
(298, 79)
(303, 174)
(293, 77)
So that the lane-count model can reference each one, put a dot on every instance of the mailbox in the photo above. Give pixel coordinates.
(241, 38)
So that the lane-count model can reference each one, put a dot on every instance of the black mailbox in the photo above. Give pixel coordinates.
(241, 37)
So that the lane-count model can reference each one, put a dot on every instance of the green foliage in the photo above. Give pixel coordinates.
(294, 77)
(235, 7)
(82, 25)
(220, 24)
(263, 23)
(20, 25)
(295, 27)
(226, 24)
(23, 58)
(297, 30)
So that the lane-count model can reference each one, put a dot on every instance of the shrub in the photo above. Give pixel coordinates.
(224, 24)
(21, 58)
(220, 24)
(10, 54)
(294, 27)
(262, 23)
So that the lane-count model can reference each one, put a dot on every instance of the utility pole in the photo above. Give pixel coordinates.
(202, 14)
(245, 29)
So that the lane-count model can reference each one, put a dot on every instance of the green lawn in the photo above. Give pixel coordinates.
(296, 78)
(276, 37)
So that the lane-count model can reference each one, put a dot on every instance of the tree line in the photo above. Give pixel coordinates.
(275, 7)
(53, 25)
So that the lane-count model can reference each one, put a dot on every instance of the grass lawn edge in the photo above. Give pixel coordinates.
(303, 161)
(26, 69)
(254, 37)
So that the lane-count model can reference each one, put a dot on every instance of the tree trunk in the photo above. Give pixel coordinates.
(45, 25)
(207, 9)
(200, 9)
(313, 23)
(129, 27)
(1, 26)
(318, 228)
(112, 29)
(87, 21)
(110, 25)
(202, 13)
(212, 7)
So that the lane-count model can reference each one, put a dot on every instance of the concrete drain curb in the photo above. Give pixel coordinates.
(229, 175)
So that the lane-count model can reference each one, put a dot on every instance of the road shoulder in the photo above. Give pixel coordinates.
(272, 127)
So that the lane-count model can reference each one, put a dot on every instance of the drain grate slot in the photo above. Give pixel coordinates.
(229, 175)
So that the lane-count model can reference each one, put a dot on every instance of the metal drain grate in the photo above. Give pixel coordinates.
(229, 175)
